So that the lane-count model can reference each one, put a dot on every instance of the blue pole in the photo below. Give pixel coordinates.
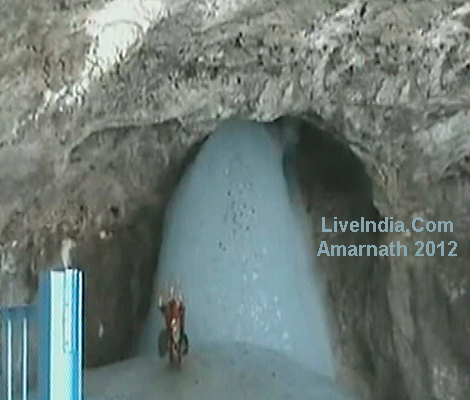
(60, 323)
(16, 322)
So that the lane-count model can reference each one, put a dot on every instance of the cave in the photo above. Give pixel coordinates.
(327, 180)
(102, 116)
(121, 258)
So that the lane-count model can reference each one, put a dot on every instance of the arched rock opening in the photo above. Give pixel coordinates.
(117, 221)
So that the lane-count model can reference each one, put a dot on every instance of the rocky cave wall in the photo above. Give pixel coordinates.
(99, 115)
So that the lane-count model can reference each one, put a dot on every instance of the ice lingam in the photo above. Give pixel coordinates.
(234, 242)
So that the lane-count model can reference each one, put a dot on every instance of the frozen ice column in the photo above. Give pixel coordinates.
(234, 242)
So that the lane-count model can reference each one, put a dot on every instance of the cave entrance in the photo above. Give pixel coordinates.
(332, 183)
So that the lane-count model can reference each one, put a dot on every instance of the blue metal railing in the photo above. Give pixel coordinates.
(17, 323)
(56, 320)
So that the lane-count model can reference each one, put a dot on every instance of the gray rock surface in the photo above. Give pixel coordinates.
(98, 157)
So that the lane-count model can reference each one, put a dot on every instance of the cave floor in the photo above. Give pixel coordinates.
(211, 372)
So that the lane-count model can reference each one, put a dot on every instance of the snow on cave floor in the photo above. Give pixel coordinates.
(233, 371)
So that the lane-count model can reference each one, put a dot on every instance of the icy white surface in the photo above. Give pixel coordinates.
(233, 241)
(234, 371)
